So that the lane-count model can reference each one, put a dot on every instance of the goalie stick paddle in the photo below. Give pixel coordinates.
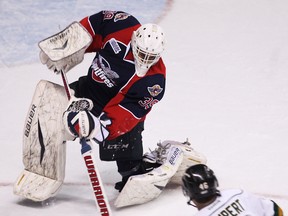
(87, 154)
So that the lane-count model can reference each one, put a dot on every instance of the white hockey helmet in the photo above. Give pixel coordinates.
(148, 42)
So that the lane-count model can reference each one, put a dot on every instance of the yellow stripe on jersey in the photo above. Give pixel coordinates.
(277, 210)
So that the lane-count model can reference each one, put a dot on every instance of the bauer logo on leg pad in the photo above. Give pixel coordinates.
(29, 120)
(173, 155)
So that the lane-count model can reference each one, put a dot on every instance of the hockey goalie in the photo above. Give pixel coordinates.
(107, 106)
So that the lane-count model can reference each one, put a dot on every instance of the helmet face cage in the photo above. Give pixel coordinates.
(147, 43)
(199, 182)
(145, 58)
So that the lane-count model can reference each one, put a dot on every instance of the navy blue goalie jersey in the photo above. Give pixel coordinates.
(112, 83)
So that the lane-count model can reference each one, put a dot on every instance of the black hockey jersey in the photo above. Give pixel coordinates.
(112, 83)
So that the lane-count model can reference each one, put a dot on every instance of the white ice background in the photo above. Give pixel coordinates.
(227, 92)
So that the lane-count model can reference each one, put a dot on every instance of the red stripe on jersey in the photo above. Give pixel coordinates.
(122, 120)
(96, 45)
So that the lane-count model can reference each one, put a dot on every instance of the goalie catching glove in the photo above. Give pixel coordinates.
(80, 122)
(65, 49)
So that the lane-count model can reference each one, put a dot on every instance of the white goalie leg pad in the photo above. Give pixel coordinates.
(36, 187)
(44, 148)
(146, 187)
(190, 157)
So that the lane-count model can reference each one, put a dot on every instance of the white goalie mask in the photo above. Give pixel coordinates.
(148, 42)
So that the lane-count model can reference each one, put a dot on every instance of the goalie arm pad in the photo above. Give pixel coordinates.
(65, 49)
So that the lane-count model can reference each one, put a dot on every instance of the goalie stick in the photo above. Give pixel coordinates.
(66, 86)
(87, 154)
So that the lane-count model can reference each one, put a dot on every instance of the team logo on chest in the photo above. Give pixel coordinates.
(102, 73)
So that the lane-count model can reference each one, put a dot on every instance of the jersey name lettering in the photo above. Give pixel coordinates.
(234, 209)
